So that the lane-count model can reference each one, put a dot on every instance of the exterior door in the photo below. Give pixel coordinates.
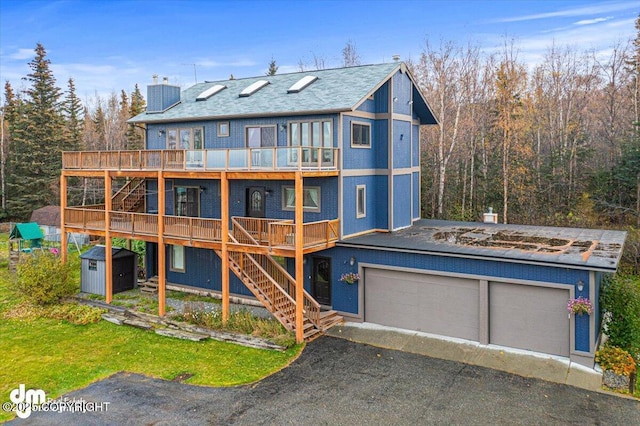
(321, 280)
(256, 201)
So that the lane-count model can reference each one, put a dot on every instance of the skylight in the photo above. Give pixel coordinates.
(302, 83)
(210, 92)
(250, 90)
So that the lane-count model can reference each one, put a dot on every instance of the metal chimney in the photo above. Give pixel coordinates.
(155, 78)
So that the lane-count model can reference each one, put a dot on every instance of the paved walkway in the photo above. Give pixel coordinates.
(523, 363)
(337, 382)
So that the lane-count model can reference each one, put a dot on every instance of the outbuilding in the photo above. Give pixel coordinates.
(94, 268)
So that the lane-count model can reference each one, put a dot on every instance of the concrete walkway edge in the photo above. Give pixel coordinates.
(523, 363)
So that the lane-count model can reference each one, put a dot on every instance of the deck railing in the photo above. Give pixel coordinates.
(258, 159)
(134, 223)
(193, 228)
(253, 231)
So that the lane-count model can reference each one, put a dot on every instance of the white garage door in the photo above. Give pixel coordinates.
(529, 317)
(428, 303)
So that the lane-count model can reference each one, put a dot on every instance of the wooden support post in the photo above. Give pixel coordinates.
(162, 261)
(299, 240)
(107, 237)
(63, 206)
(224, 216)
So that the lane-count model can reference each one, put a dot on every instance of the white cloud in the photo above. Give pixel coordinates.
(22, 54)
(592, 21)
(579, 11)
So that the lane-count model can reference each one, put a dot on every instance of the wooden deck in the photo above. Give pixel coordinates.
(273, 159)
(271, 234)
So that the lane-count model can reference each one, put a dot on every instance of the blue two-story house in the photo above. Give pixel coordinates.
(287, 188)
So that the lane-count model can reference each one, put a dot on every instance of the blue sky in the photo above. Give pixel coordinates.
(111, 45)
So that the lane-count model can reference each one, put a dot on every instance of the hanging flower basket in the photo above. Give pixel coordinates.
(580, 306)
(350, 278)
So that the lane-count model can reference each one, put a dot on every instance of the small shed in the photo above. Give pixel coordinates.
(93, 277)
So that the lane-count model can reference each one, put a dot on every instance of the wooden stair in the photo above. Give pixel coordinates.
(274, 287)
(130, 198)
(149, 286)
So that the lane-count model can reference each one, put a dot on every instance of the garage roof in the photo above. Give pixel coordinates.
(592, 249)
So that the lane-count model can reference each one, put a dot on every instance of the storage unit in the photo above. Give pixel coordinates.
(93, 278)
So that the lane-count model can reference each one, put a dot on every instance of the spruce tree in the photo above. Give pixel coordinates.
(38, 137)
(74, 122)
(273, 68)
(135, 134)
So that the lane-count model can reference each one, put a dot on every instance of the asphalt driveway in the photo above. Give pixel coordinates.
(340, 382)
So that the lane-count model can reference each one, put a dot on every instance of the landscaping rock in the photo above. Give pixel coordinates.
(615, 381)
(114, 319)
(138, 324)
(181, 334)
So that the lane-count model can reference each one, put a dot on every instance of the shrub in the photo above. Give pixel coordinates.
(71, 312)
(617, 360)
(620, 300)
(75, 313)
(241, 321)
(43, 279)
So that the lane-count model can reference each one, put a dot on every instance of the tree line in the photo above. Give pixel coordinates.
(554, 145)
(41, 121)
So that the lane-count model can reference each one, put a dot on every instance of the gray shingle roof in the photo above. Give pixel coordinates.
(339, 89)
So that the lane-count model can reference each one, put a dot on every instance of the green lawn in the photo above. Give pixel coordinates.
(58, 357)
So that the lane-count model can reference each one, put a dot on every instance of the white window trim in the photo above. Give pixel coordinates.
(220, 133)
(184, 260)
(361, 123)
(364, 200)
(304, 208)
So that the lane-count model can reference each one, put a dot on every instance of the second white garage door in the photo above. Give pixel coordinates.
(429, 303)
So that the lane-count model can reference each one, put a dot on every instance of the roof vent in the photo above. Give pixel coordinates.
(210, 92)
(302, 83)
(250, 90)
(395, 58)
(490, 217)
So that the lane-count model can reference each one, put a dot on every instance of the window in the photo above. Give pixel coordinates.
(260, 136)
(361, 201)
(223, 129)
(302, 83)
(187, 201)
(360, 135)
(310, 198)
(93, 265)
(210, 92)
(177, 258)
(317, 134)
(254, 87)
(187, 138)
